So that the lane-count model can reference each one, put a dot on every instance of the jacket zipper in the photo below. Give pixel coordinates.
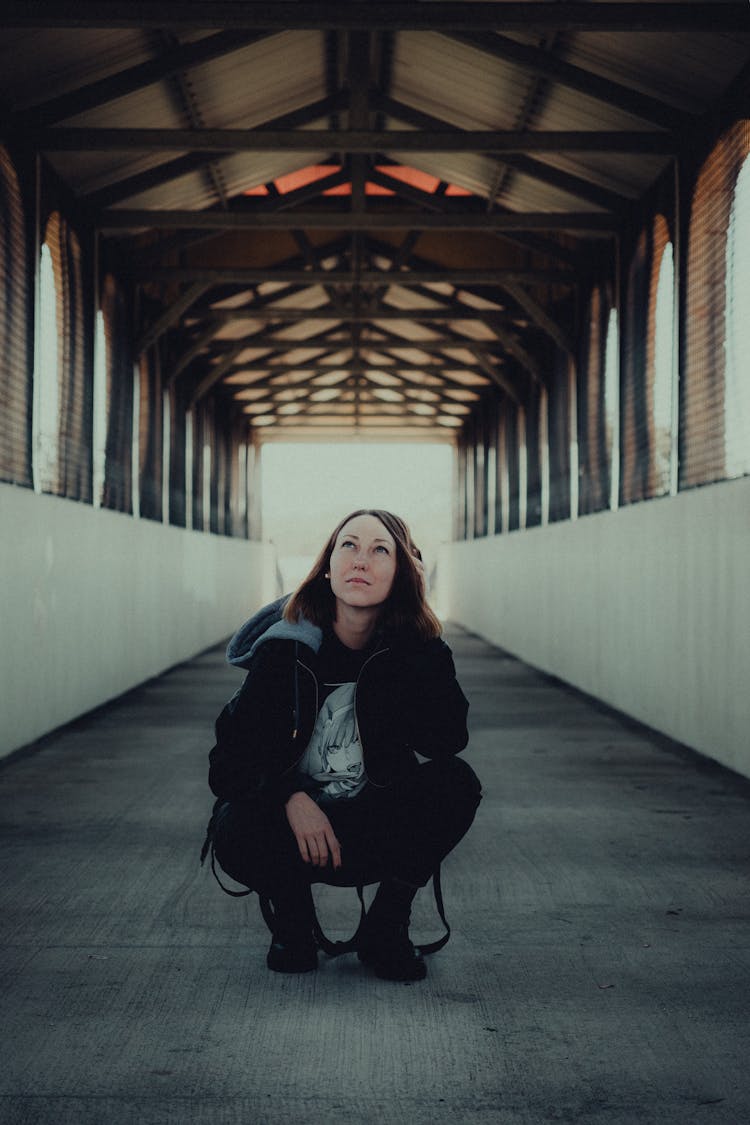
(295, 732)
(356, 717)
(295, 763)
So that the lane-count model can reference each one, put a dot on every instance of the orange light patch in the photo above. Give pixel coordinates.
(370, 189)
(410, 176)
(295, 180)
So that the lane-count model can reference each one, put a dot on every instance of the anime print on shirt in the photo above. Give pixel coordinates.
(333, 757)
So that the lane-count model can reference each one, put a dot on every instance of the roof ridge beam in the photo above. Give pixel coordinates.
(595, 223)
(422, 15)
(352, 316)
(269, 139)
(459, 277)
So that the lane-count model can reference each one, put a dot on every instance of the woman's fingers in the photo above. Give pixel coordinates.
(318, 850)
(312, 829)
(335, 847)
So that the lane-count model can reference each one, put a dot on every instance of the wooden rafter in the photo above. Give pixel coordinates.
(170, 316)
(422, 15)
(170, 170)
(596, 222)
(461, 278)
(267, 139)
(546, 65)
(165, 65)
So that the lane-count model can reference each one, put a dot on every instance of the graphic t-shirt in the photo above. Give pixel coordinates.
(332, 765)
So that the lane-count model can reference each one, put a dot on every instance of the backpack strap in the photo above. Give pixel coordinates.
(434, 946)
(208, 846)
(226, 890)
(330, 948)
(336, 948)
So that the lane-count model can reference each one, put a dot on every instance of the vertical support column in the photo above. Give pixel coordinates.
(544, 456)
(36, 290)
(674, 453)
(459, 489)
(189, 465)
(479, 461)
(255, 490)
(491, 459)
(166, 453)
(523, 476)
(135, 461)
(573, 438)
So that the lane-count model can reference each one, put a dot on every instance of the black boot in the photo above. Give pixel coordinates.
(293, 947)
(384, 943)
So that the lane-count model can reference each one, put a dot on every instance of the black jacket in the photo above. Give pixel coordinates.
(407, 699)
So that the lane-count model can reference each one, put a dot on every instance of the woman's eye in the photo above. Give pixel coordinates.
(347, 543)
(383, 549)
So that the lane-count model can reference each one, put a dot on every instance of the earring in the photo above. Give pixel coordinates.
(326, 575)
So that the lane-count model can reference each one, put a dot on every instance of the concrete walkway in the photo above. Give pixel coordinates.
(599, 969)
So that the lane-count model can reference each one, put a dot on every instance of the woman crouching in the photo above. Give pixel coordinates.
(315, 763)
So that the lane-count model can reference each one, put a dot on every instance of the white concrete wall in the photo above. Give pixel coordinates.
(647, 608)
(94, 602)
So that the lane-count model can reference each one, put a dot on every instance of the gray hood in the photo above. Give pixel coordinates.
(269, 625)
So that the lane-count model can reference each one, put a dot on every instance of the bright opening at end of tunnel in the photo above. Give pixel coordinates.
(308, 487)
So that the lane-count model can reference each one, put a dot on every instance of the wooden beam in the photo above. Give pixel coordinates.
(595, 223)
(585, 190)
(267, 139)
(458, 277)
(551, 67)
(166, 65)
(400, 373)
(309, 429)
(417, 15)
(169, 317)
(171, 170)
(215, 374)
(190, 353)
(563, 256)
(540, 316)
(353, 316)
(511, 345)
(442, 338)
(536, 169)
(497, 377)
(384, 341)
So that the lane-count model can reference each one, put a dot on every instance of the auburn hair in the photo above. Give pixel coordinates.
(405, 609)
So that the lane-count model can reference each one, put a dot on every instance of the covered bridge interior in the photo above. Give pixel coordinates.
(522, 228)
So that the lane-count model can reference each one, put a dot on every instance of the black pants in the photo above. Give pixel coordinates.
(401, 831)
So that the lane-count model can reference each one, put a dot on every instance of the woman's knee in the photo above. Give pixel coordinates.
(455, 778)
(252, 842)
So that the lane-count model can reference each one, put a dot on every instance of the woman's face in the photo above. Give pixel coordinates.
(362, 565)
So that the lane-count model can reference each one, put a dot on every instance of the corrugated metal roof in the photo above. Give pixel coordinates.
(683, 70)
(38, 65)
(456, 83)
(253, 85)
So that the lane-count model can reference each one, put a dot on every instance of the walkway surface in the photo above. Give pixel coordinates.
(599, 969)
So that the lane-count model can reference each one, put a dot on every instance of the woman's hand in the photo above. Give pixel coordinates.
(313, 832)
